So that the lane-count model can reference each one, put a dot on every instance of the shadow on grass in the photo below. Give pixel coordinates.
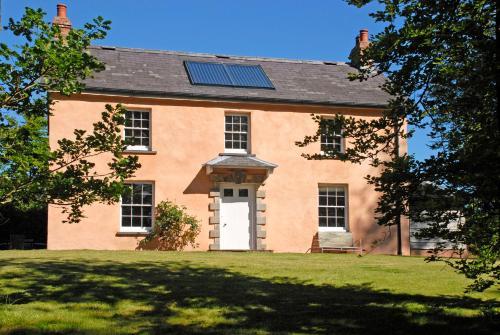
(184, 298)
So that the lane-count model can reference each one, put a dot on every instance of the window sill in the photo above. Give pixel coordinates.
(131, 233)
(334, 230)
(140, 152)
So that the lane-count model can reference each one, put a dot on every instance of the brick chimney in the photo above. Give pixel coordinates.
(62, 20)
(362, 42)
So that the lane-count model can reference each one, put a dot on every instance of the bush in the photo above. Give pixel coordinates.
(173, 228)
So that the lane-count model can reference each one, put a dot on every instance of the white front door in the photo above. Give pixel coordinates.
(237, 209)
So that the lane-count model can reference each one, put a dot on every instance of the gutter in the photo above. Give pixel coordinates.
(153, 94)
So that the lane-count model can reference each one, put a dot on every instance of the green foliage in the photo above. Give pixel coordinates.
(31, 174)
(440, 61)
(173, 228)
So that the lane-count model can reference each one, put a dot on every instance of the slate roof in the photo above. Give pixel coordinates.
(241, 161)
(162, 73)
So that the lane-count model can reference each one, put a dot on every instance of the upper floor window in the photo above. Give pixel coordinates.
(332, 208)
(137, 207)
(236, 134)
(331, 138)
(137, 130)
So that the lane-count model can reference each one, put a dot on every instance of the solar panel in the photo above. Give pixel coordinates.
(222, 74)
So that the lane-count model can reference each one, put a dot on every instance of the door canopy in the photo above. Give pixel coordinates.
(237, 168)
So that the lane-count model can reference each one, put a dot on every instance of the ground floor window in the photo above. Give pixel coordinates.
(137, 207)
(332, 208)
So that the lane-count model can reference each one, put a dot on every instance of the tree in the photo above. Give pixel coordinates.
(439, 58)
(31, 174)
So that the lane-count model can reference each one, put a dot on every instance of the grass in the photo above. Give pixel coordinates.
(107, 292)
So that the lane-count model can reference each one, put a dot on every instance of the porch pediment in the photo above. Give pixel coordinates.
(239, 168)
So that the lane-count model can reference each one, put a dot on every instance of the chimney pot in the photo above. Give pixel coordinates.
(363, 35)
(62, 20)
(362, 42)
(61, 10)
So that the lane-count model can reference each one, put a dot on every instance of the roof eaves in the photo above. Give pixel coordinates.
(144, 93)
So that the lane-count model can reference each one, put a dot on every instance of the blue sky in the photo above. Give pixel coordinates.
(312, 29)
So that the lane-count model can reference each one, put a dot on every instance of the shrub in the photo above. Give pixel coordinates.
(173, 228)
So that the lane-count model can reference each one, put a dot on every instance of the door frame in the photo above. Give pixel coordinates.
(252, 201)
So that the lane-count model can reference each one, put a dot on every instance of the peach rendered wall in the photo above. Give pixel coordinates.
(186, 134)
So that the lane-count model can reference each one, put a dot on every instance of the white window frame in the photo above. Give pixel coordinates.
(139, 147)
(138, 229)
(340, 136)
(237, 151)
(345, 207)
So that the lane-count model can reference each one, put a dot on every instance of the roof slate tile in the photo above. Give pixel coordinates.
(162, 73)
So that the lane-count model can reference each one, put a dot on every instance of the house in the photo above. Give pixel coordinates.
(217, 134)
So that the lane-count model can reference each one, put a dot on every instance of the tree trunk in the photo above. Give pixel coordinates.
(398, 203)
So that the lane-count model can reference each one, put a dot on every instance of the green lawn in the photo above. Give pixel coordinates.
(105, 292)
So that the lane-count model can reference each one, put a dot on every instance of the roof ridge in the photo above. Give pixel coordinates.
(220, 56)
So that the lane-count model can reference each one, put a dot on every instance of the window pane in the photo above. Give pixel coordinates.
(340, 212)
(126, 222)
(228, 192)
(243, 192)
(146, 222)
(331, 211)
(322, 200)
(147, 189)
(322, 211)
(340, 201)
(136, 211)
(228, 118)
(332, 222)
(126, 210)
(126, 198)
(236, 127)
(136, 221)
(322, 222)
(137, 115)
(137, 197)
(147, 199)
(146, 211)
(229, 145)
